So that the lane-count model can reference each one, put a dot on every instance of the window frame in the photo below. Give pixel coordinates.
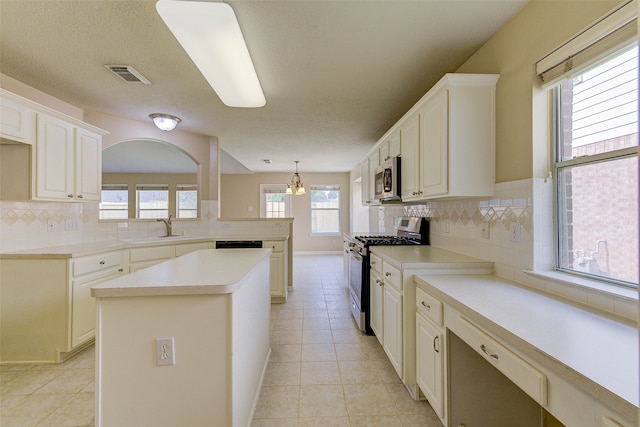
(313, 188)
(119, 187)
(151, 187)
(185, 187)
(270, 189)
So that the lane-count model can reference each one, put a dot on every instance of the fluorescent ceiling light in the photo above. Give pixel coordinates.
(210, 34)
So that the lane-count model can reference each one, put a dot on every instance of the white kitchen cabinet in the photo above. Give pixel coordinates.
(140, 258)
(51, 156)
(17, 121)
(430, 362)
(184, 249)
(392, 326)
(365, 178)
(447, 140)
(374, 162)
(46, 311)
(376, 309)
(279, 270)
(85, 273)
(390, 147)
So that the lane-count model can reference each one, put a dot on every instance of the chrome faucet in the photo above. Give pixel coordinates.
(167, 224)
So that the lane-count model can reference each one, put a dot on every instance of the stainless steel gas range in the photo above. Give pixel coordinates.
(409, 231)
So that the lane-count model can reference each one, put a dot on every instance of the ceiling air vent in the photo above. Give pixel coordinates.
(128, 74)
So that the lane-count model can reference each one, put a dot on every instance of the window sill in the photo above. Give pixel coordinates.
(584, 283)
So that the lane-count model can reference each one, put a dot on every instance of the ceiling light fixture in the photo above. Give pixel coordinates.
(165, 121)
(210, 34)
(296, 183)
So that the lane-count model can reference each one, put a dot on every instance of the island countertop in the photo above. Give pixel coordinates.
(206, 271)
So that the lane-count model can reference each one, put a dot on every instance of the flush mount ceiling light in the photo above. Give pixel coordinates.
(210, 34)
(296, 183)
(165, 121)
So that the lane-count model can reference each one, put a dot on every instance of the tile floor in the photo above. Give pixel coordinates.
(322, 371)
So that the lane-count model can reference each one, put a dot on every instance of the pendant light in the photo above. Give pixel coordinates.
(296, 183)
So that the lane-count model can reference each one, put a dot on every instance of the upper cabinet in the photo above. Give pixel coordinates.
(447, 140)
(56, 156)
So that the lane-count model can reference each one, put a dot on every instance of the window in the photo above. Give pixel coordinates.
(187, 201)
(152, 201)
(597, 170)
(325, 209)
(114, 203)
(274, 203)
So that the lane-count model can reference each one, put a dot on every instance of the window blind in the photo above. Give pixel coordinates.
(610, 34)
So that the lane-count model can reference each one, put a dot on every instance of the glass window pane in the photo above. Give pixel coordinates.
(153, 203)
(599, 219)
(114, 204)
(187, 203)
(325, 221)
(275, 205)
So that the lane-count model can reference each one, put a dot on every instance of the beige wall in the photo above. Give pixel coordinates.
(543, 25)
(203, 149)
(238, 192)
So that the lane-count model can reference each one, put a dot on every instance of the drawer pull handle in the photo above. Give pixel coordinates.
(379, 282)
(102, 263)
(80, 196)
(487, 352)
(120, 270)
(70, 196)
(388, 273)
(426, 305)
(373, 263)
(436, 340)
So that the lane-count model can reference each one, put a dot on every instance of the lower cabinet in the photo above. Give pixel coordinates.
(376, 298)
(279, 270)
(430, 363)
(392, 326)
(146, 257)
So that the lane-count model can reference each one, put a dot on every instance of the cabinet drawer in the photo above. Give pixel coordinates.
(275, 246)
(529, 379)
(152, 253)
(375, 263)
(392, 275)
(95, 263)
(429, 306)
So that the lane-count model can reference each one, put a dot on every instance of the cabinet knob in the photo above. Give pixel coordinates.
(102, 262)
(120, 270)
(373, 263)
(379, 282)
(70, 196)
(79, 196)
(428, 307)
(388, 274)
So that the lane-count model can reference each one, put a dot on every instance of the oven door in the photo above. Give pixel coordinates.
(355, 287)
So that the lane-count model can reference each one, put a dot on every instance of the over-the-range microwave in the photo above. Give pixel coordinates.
(387, 180)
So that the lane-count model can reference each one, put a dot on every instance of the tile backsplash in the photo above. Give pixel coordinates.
(457, 225)
(30, 225)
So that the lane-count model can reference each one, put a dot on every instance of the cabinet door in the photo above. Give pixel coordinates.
(376, 305)
(395, 145)
(374, 162)
(16, 122)
(83, 308)
(364, 171)
(392, 325)
(429, 358)
(88, 161)
(434, 146)
(410, 158)
(277, 285)
(54, 159)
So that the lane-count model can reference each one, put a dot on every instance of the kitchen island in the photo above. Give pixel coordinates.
(213, 309)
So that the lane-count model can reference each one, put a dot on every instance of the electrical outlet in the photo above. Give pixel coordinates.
(72, 224)
(484, 230)
(165, 351)
(514, 232)
(51, 225)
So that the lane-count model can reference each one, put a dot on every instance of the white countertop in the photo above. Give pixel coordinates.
(587, 345)
(207, 271)
(420, 256)
(91, 248)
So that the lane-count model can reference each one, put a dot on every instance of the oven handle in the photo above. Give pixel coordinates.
(356, 255)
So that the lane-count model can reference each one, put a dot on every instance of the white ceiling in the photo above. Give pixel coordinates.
(336, 74)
